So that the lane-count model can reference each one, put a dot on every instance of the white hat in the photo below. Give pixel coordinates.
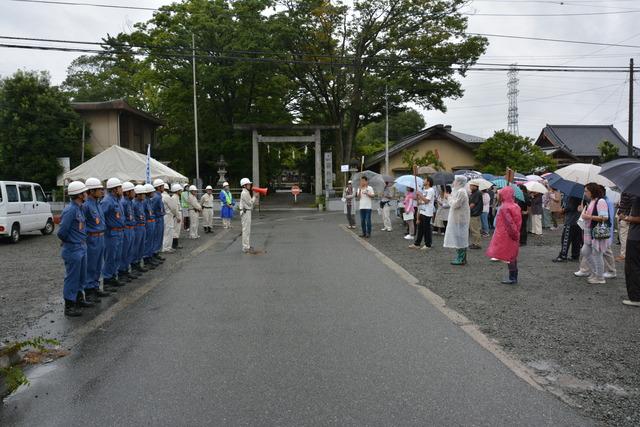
(76, 187)
(149, 188)
(139, 189)
(93, 183)
(157, 183)
(175, 188)
(225, 184)
(245, 181)
(193, 188)
(350, 182)
(209, 187)
(113, 183)
(127, 186)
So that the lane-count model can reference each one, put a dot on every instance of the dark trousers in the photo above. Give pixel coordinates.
(523, 230)
(365, 221)
(632, 269)
(350, 216)
(571, 237)
(424, 231)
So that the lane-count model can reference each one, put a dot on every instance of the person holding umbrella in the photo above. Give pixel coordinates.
(457, 234)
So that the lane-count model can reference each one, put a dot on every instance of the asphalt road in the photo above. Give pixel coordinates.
(316, 331)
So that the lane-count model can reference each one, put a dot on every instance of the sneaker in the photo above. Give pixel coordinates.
(631, 303)
(384, 229)
(609, 275)
(389, 230)
(414, 247)
(408, 237)
(425, 248)
(581, 273)
(596, 281)
(494, 260)
(559, 259)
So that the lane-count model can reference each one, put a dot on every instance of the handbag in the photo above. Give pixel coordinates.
(602, 231)
(407, 216)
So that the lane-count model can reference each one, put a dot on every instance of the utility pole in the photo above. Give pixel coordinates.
(83, 142)
(630, 139)
(386, 131)
(512, 95)
(195, 107)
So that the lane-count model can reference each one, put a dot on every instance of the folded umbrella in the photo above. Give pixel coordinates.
(584, 173)
(625, 173)
(405, 181)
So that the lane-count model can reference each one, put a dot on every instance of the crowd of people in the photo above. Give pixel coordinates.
(116, 233)
(465, 214)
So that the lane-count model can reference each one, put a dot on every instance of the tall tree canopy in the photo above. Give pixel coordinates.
(37, 125)
(506, 150)
(371, 137)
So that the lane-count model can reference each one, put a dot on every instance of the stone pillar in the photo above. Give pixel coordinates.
(256, 159)
(318, 155)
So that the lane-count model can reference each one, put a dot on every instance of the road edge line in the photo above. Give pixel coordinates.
(470, 328)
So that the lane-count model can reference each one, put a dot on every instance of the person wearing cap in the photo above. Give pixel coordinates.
(388, 195)
(206, 201)
(129, 233)
(73, 234)
(348, 204)
(176, 189)
(194, 212)
(95, 228)
(150, 229)
(159, 212)
(227, 203)
(139, 212)
(184, 204)
(246, 206)
(172, 209)
(114, 220)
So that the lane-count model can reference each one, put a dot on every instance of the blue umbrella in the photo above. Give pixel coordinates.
(625, 173)
(408, 181)
(500, 183)
(569, 188)
(488, 176)
(517, 192)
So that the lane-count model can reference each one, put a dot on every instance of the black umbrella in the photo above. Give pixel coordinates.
(442, 178)
(625, 173)
(570, 188)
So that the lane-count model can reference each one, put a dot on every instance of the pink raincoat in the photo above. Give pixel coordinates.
(505, 243)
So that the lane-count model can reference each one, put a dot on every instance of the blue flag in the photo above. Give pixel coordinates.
(149, 164)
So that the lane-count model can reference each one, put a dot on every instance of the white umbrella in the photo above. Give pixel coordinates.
(536, 187)
(584, 173)
(481, 183)
(535, 178)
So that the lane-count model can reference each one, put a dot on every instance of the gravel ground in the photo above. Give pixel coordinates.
(31, 286)
(577, 336)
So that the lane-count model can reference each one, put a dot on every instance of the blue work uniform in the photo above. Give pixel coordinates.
(137, 252)
(150, 230)
(226, 211)
(95, 228)
(73, 234)
(129, 226)
(114, 220)
(158, 213)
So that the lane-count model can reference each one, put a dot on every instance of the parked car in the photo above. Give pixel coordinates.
(23, 208)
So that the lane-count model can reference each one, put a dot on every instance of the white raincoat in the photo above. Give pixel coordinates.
(457, 234)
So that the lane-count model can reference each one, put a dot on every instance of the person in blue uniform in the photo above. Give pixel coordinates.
(158, 212)
(149, 260)
(227, 204)
(114, 219)
(95, 228)
(129, 232)
(73, 234)
(139, 213)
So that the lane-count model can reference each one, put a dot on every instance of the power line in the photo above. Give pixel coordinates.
(507, 36)
(529, 15)
(68, 3)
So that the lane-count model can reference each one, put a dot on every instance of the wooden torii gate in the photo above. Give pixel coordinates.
(257, 138)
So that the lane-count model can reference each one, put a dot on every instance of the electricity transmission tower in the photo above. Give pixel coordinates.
(512, 94)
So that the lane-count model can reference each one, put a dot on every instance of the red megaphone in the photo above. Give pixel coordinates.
(261, 191)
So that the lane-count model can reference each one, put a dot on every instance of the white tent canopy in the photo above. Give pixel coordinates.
(124, 164)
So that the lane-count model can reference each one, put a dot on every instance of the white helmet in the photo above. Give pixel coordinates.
(193, 188)
(113, 183)
(225, 184)
(76, 187)
(175, 188)
(139, 189)
(245, 181)
(127, 186)
(149, 188)
(93, 183)
(157, 183)
(209, 187)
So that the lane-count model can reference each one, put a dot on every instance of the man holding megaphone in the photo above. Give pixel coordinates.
(247, 200)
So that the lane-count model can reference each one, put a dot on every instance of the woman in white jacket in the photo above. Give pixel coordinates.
(457, 233)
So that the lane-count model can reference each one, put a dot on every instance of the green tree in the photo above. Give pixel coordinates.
(409, 158)
(415, 48)
(608, 151)
(370, 138)
(37, 125)
(505, 150)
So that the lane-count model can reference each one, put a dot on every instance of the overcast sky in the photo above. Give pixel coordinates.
(571, 98)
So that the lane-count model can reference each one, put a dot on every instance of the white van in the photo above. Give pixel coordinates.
(23, 208)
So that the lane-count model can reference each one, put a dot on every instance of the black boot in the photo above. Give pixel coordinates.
(139, 268)
(174, 244)
(70, 309)
(91, 296)
(123, 277)
(113, 283)
(159, 258)
(101, 294)
(81, 301)
(133, 274)
(150, 263)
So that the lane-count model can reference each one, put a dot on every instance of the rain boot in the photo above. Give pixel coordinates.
(70, 309)
(464, 256)
(513, 278)
(459, 257)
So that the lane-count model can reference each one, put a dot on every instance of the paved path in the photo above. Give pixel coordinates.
(314, 332)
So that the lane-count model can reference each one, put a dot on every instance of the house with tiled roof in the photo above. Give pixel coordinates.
(456, 150)
(579, 143)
